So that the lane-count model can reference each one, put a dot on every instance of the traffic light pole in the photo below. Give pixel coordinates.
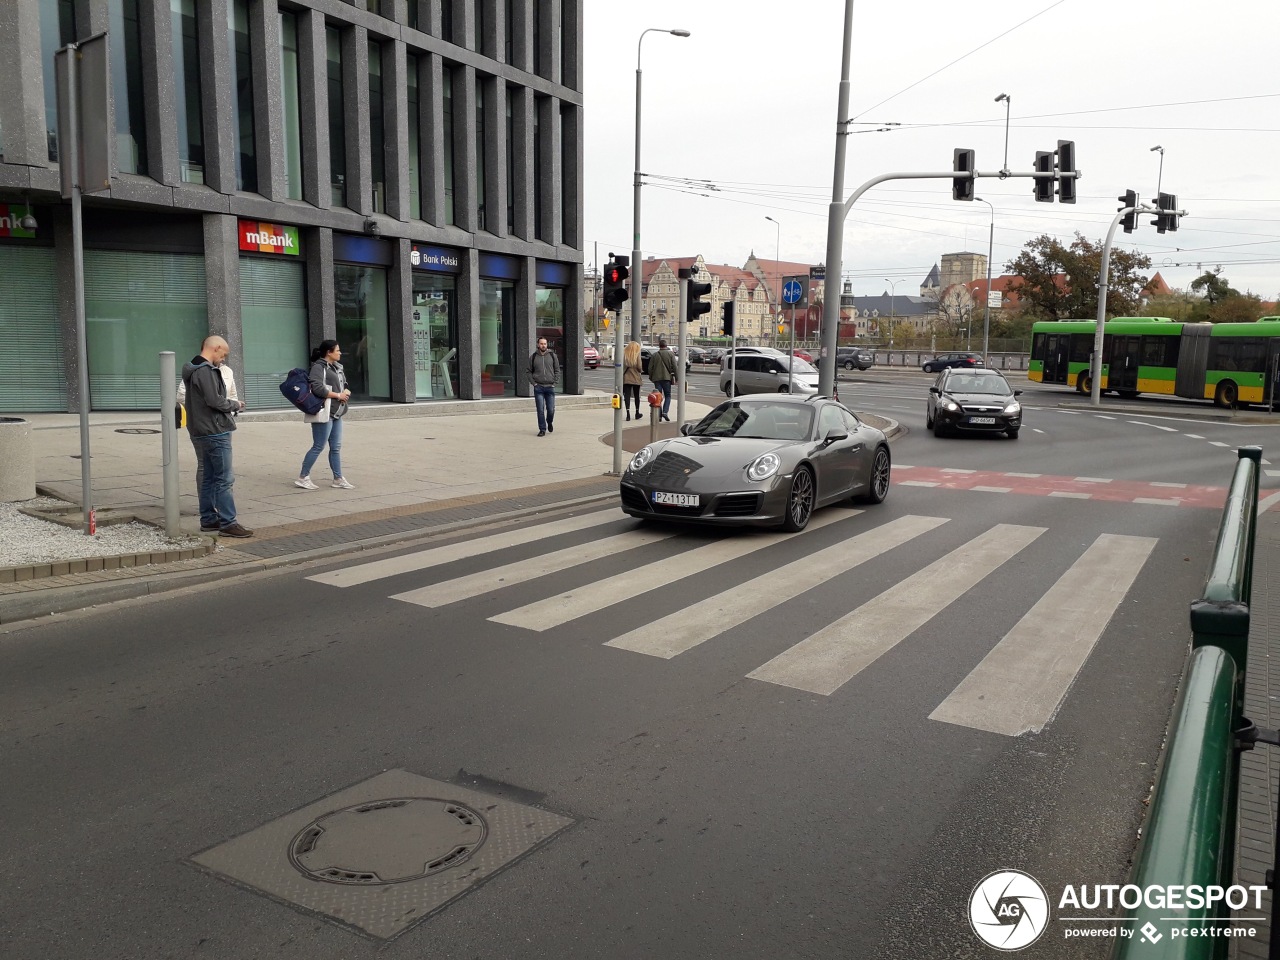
(684, 323)
(837, 213)
(619, 347)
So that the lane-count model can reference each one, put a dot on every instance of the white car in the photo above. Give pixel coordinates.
(767, 373)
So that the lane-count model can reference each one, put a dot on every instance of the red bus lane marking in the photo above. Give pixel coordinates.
(1120, 491)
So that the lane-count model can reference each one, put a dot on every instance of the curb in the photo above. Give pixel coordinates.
(119, 561)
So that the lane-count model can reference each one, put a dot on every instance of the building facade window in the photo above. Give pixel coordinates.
(377, 144)
(57, 29)
(511, 165)
(32, 374)
(481, 185)
(360, 296)
(567, 155)
(186, 74)
(126, 80)
(446, 136)
(497, 338)
(337, 120)
(536, 13)
(510, 22)
(481, 37)
(550, 317)
(289, 77)
(538, 105)
(242, 102)
(273, 310)
(446, 21)
(415, 136)
(435, 336)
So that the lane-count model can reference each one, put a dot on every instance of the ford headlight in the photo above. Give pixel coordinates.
(1013, 407)
(764, 466)
(640, 459)
(950, 406)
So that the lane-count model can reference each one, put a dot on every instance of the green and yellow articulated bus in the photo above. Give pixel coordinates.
(1228, 363)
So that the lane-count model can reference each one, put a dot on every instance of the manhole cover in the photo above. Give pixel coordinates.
(387, 841)
(137, 430)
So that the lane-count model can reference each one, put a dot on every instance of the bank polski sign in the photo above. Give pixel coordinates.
(257, 237)
(437, 259)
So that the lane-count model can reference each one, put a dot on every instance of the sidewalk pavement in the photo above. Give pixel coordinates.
(418, 469)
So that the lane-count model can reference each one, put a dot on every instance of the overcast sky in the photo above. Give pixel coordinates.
(745, 108)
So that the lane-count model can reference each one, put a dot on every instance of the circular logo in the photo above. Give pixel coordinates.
(415, 257)
(1008, 910)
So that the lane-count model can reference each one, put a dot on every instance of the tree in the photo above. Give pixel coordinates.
(955, 310)
(1056, 282)
(1236, 308)
(1176, 305)
(1214, 285)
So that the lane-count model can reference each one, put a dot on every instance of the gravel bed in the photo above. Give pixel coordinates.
(27, 540)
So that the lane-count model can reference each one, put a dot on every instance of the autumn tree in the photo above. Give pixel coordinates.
(1056, 282)
(1214, 285)
(1236, 308)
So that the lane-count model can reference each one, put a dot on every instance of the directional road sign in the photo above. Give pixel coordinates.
(792, 291)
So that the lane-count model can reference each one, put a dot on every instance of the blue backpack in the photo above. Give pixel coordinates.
(297, 390)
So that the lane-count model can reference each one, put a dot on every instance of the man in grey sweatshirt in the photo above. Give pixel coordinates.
(210, 424)
(544, 371)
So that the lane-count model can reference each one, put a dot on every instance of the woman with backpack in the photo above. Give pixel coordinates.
(328, 381)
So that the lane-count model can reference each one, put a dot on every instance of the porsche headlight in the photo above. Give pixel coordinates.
(1013, 407)
(950, 406)
(764, 466)
(640, 459)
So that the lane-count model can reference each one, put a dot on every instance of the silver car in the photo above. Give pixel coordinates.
(767, 373)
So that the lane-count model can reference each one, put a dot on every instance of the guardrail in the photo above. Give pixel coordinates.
(1189, 835)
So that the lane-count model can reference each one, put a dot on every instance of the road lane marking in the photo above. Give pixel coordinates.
(1163, 483)
(825, 661)
(1193, 436)
(1028, 476)
(1091, 479)
(1070, 495)
(993, 489)
(1019, 685)
(554, 611)
(434, 556)
(917, 483)
(1218, 443)
(1103, 416)
(684, 629)
(1157, 501)
(521, 571)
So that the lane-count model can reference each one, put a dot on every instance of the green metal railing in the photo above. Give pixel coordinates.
(1189, 836)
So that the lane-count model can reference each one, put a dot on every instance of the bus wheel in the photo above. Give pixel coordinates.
(1227, 394)
(1084, 383)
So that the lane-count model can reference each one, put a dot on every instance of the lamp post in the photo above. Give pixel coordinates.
(1160, 175)
(637, 266)
(892, 290)
(1008, 102)
(777, 265)
(986, 313)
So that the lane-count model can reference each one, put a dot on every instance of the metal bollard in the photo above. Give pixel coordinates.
(655, 409)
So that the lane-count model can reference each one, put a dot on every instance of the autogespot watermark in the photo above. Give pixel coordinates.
(1010, 910)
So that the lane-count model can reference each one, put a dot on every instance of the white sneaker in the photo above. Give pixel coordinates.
(305, 483)
(341, 483)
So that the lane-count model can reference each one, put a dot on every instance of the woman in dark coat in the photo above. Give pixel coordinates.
(329, 383)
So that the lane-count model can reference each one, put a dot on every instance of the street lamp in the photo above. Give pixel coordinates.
(637, 267)
(1008, 102)
(777, 265)
(1160, 175)
(986, 313)
(892, 285)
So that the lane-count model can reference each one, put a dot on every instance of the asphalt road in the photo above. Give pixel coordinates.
(714, 813)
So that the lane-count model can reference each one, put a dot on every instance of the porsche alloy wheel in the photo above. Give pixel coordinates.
(800, 502)
(879, 487)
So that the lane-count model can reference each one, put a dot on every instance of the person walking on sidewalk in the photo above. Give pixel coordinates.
(662, 371)
(544, 371)
(328, 381)
(210, 424)
(632, 377)
(229, 378)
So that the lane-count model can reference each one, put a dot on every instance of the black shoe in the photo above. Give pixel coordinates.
(235, 530)
(628, 414)
(666, 418)
(542, 433)
(551, 427)
(213, 529)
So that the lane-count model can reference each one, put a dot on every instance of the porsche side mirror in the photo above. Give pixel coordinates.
(834, 436)
(686, 429)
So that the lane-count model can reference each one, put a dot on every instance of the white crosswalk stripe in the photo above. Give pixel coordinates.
(553, 611)
(1018, 686)
(827, 660)
(522, 571)
(680, 631)
(435, 556)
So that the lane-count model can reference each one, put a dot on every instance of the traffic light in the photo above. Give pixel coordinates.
(1044, 176)
(962, 187)
(615, 275)
(1129, 220)
(726, 317)
(1066, 171)
(694, 306)
(1166, 219)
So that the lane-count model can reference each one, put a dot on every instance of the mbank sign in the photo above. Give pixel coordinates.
(268, 238)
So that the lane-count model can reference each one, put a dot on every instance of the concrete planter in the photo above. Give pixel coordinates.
(17, 463)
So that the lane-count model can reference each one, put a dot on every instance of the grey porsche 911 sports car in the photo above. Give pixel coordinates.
(762, 461)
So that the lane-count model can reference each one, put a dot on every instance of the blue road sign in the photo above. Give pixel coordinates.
(792, 292)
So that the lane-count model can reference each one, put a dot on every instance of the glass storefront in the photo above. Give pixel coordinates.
(435, 336)
(136, 305)
(551, 325)
(497, 338)
(360, 295)
(273, 311)
(32, 376)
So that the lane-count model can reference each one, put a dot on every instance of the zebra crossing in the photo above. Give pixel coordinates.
(1016, 688)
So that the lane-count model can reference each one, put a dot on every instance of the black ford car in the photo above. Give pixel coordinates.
(977, 400)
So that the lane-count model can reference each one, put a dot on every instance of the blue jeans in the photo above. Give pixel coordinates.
(544, 395)
(321, 433)
(665, 387)
(217, 506)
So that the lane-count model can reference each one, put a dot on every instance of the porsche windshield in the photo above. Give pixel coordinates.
(757, 421)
